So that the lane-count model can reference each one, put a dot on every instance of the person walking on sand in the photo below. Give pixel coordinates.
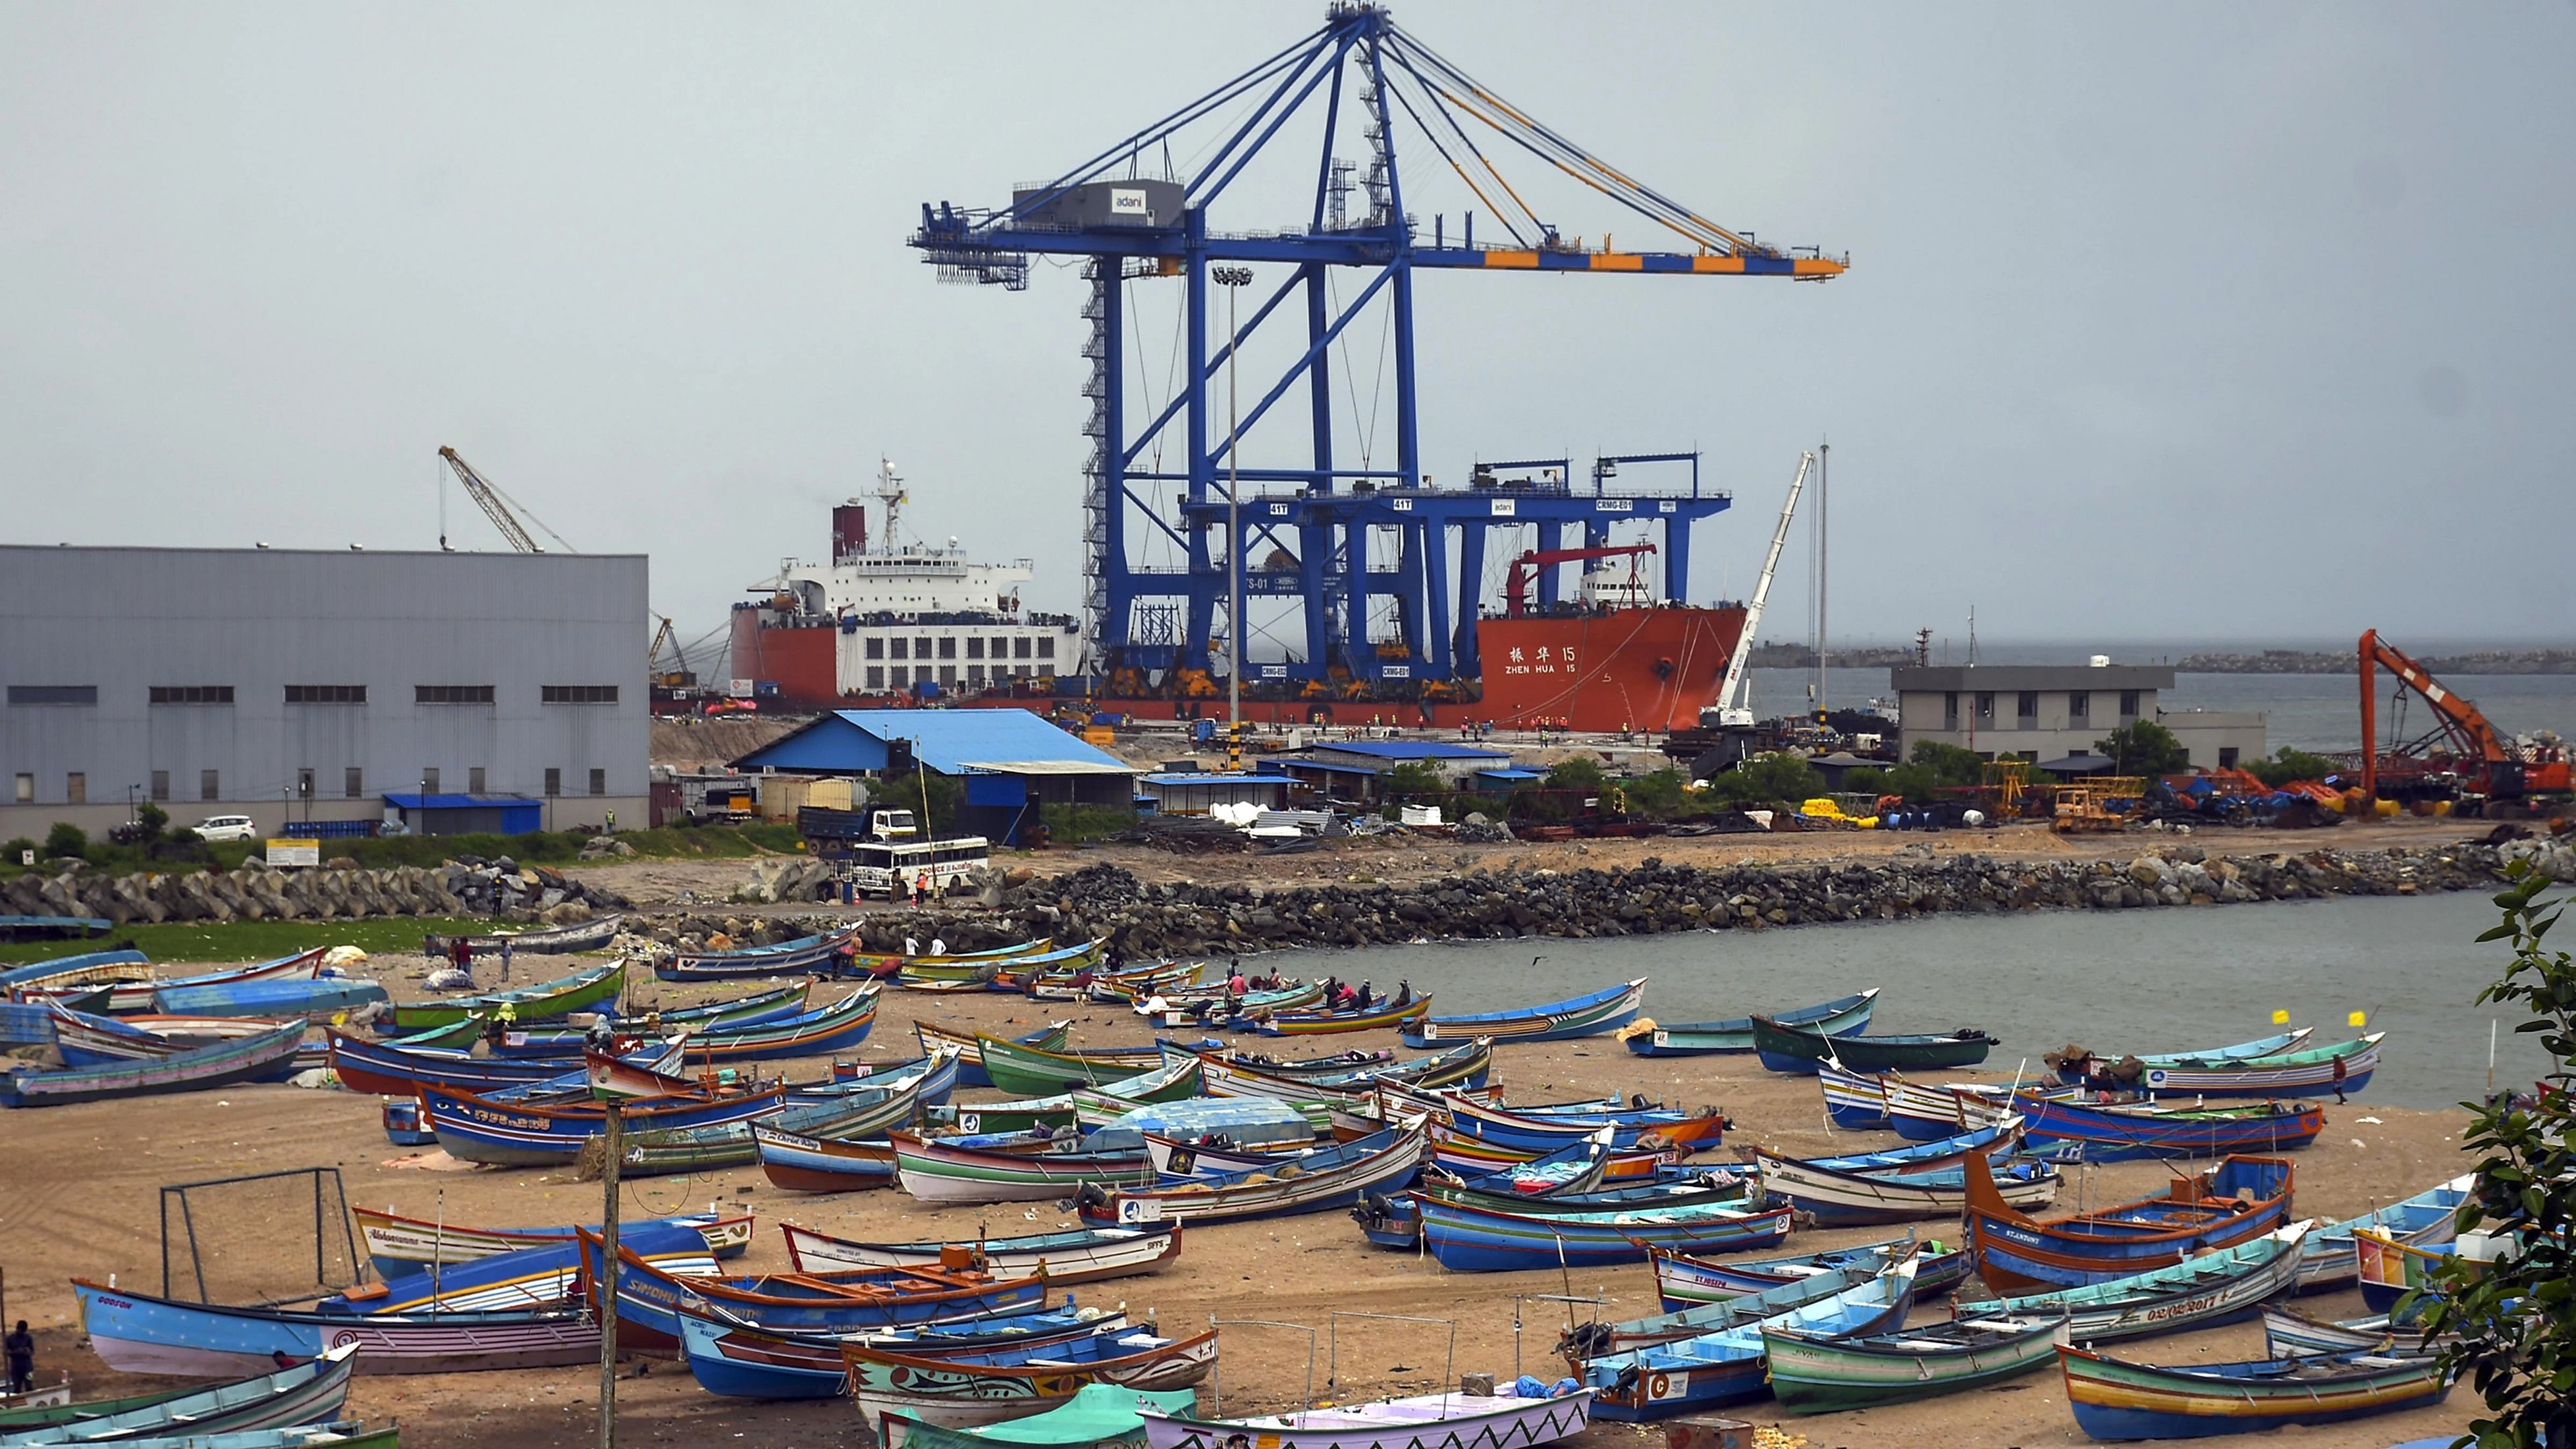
(22, 1359)
(505, 960)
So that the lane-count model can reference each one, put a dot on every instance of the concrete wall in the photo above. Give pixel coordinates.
(122, 621)
(2218, 738)
(2054, 730)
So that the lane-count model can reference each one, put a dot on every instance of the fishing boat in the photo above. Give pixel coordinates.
(742, 1360)
(963, 1390)
(395, 1071)
(970, 1050)
(1799, 1050)
(1998, 1142)
(838, 1027)
(1842, 1016)
(2288, 1333)
(1171, 1082)
(813, 1164)
(2390, 1271)
(1468, 1064)
(887, 964)
(861, 1113)
(1924, 1112)
(1683, 1132)
(1462, 1156)
(1329, 1064)
(1081, 1255)
(2331, 1260)
(1041, 954)
(1331, 1177)
(2336, 1071)
(138, 1333)
(564, 1043)
(966, 1170)
(649, 1300)
(1032, 1072)
(541, 1276)
(2240, 1199)
(271, 1000)
(38, 973)
(1600, 1340)
(2214, 1288)
(400, 1245)
(337, 1434)
(2116, 1399)
(301, 1393)
(1470, 1238)
(133, 996)
(1858, 1198)
(786, 958)
(1591, 1014)
(560, 997)
(532, 1134)
(1815, 1373)
(1683, 1281)
(2079, 1067)
(88, 1040)
(269, 1056)
(558, 940)
(108, 971)
(1098, 1416)
(2131, 1131)
(1725, 1367)
(1421, 1421)
(1376, 1017)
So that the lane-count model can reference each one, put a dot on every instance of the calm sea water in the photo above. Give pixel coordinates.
(2310, 711)
(2136, 981)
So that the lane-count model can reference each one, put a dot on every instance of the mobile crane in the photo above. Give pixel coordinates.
(2486, 761)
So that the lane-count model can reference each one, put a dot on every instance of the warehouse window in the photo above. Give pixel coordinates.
(192, 694)
(76, 788)
(210, 785)
(2128, 704)
(921, 646)
(2079, 707)
(53, 694)
(876, 647)
(26, 793)
(974, 674)
(160, 784)
(1021, 670)
(353, 782)
(1020, 647)
(2026, 708)
(876, 676)
(598, 781)
(326, 694)
(474, 780)
(581, 694)
(975, 647)
(1985, 705)
(554, 780)
(1001, 647)
(921, 674)
(451, 694)
(948, 676)
(429, 780)
(1046, 647)
(2227, 757)
(901, 649)
(1950, 710)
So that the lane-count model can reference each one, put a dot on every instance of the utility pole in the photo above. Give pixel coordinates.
(1234, 280)
(1824, 460)
(608, 1276)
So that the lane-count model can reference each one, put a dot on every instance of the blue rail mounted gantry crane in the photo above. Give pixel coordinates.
(1145, 624)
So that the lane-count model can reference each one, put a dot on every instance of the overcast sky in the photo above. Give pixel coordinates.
(2164, 322)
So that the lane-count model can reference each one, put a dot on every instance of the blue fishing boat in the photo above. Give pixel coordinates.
(301, 1393)
(2076, 1066)
(273, 1000)
(388, 1070)
(2329, 1258)
(531, 1134)
(1842, 1016)
(740, 1360)
(266, 1057)
(68, 966)
(1601, 1340)
(523, 1278)
(2116, 1399)
(1536, 1132)
(1473, 1238)
(1682, 1281)
(2131, 1131)
(649, 1300)
(1846, 1198)
(1608, 1009)
(805, 954)
(2240, 1199)
(1726, 1367)
(1799, 1051)
(143, 1334)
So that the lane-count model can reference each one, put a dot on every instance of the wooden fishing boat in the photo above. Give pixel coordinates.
(1469, 1238)
(1720, 1187)
(1997, 1141)
(1683, 1281)
(1842, 1016)
(110, 971)
(2214, 1288)
(543, 1276)
(649, 1300)
(1463, 1156)
(1040, 955)
(1098, 1416)
(1466, 1065)
(558, 940)
(861, 1114)
(963, 1390)
(2131, 1131)
(395, 1071)
(1928, 1111)
(1652, 1127)
(1031, 1072)
(1725, 1367)
(1847, 1199)
(301, 1393)
(1853, 1102)
(400, 1245)
(970, 1050)
(1819, 1374)
(884, 965)
(1332, 1177)
(269, 1056)
(1329, 1064)
(2389, 1270)
(741, 1360)
(2331, 1259)
(133, 996)
(566, 1044)
(1169, 1083)
(514, 1134)
(271, 1000)
(560, 997)
(1590, 1014)
(2079, 1067)
(1322, 1023)
(938, 1170)
(2335, 1071)
(88, 1040)
(814, 953)
(838, 1027)
(1082, 1255)
(2288, 1333)
(2240, 1199)
(2116, 1399)
(1798, 1050)
(337, 1434)
(813, 1164)
(1423, 1421)
(38, 973)
(139, 1333)
(1600, 1340)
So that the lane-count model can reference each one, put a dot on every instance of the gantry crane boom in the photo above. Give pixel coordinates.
(492, 501)
(1733, 708)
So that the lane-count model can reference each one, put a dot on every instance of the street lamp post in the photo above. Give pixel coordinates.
(1233, 279)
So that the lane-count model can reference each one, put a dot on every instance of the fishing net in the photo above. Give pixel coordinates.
(273, 1237)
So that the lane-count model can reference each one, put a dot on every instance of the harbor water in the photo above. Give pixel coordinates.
(2131, 981)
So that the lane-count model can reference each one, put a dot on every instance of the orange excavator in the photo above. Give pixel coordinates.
(2462, 743)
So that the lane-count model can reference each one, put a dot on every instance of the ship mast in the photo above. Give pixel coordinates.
(890, 493)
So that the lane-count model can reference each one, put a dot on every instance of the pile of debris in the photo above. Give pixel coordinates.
(503, 887)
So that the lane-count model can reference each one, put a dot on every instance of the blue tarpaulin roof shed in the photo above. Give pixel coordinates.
(950, 741)
(469, 814)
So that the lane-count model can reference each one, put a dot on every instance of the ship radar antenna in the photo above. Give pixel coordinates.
(890, 493)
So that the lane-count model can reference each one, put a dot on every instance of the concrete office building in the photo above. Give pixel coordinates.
(286, 684)
(2058, 710)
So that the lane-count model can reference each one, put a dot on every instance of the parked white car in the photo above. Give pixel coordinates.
(227, 827)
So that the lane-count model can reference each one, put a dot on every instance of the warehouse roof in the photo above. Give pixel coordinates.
(950, 741)
(1408, 750)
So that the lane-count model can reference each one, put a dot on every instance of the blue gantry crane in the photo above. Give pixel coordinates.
(1393, 618)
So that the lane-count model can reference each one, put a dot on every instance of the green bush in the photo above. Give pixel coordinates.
(2288, 764)
(1660, 793)
(1580, 773)
(1070, 824)
(1866, 780)
(2144, 747)
(1949, 764)
(14, 852)
(66, 839)
(1919, 784)
(1767, 778)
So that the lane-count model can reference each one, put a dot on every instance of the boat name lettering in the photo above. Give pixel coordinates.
(507, 1119)
(106, 1301)
(2183, 1309)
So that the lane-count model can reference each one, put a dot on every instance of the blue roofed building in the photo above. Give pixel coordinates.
(1352, 769)
(1011, 762)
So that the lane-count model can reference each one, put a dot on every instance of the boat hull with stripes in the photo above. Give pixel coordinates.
(562, 996)
(269, 1056)
(1468, 1238)
(938, 1171)
(1815, 1374)
(477, 1129)
(2135, 1131)
(138, 1333)
(970, 1050)
(2336, 1071)
(2202, 1292)
(1374, 1018)
(1083, 1255)
(735, 1359)
(966, 1391)
(649, 1300)
(400, 1245)
(1427, 1421)
(2333, 1261)
(1726, 1366)
(2240, 1199)
(1591, 1014)
(1842, 1016)
(2116, 1399)
(1334, 1177)
(787, 958)
(1684, 1282)
(1838, 1199)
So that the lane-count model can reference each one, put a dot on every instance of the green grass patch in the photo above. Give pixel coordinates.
(251, 940)
(556, 848)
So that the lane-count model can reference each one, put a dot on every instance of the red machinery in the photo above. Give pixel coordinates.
(1526, 567)
(2487, 761)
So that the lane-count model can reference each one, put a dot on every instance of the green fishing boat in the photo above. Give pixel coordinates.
(560, 997)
